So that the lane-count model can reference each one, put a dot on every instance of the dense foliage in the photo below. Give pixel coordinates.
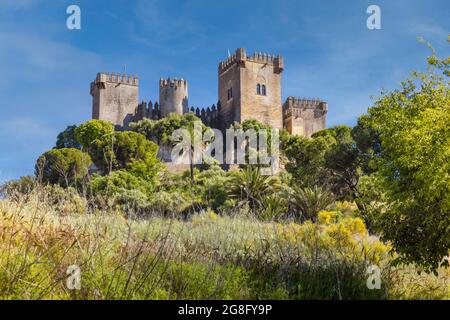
(65, 166)
(339, 194)
(413, 125)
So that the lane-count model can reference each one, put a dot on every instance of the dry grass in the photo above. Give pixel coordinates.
(206, 257)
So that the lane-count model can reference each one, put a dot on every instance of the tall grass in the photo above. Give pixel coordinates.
(208, 256)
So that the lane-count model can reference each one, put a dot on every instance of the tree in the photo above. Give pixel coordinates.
(368, 144)
(413, 126)
(67, 139)
(117, 182)
(67, 166)
(133, 152)
(161, 131)
(306, 158)
(96, 137)
(23, 185)
(329, 159)
(92, 132)
(251, 186)
(260, 129)
(308, 202)
(342, 162)
(119, 150)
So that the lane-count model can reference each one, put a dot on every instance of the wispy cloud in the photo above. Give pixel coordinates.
(25, 127)
(33, 57)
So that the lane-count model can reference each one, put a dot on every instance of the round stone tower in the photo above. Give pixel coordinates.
(173, 96)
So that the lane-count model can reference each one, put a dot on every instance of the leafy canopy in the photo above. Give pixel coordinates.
(67, 166)
(67, 139)
(413, 125)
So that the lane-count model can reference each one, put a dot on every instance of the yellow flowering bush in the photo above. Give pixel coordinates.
(328, 217)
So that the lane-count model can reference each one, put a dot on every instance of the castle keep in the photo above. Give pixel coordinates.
(114, 98)
(249, 87)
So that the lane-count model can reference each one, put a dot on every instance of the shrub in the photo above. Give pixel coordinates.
(308, 202)
(251, 186)
(122, 189)
(15, 188)
(64, 200)
(413, 125)
(66, 167)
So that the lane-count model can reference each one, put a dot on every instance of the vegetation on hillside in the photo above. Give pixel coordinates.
(348, 199)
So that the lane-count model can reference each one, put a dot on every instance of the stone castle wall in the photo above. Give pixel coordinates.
(249, 87)
(115, 98)
(304, 117)
(239, 96)
(173, 96)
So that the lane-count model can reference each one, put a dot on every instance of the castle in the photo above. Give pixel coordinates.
(249, 88)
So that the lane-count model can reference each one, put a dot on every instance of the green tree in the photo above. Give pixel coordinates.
(329, 159)
(308, 202)
(67, 166)
(161, 131)
(260, 129)
(413, 124)
(92, 132)
(305, 158)
(96, 137)
(121, 188)
(368, 144)
(133, 152)
(117, 182)
(23, 185)
(119, 150)
(67, 139)
(250, 186)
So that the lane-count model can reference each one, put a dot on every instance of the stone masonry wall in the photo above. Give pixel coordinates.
(304, 117)
(115, 98)
(242, 74)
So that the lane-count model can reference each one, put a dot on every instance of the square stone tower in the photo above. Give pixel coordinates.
(250, 88)
(115, 98)
(304, 117)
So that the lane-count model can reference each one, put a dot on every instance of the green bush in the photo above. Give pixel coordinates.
(15, 188)
(66, 167)
(121, 188)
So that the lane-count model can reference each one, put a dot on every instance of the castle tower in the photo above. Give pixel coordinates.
(250, 88)
(114, 98)
(173, 96)
(304, 117)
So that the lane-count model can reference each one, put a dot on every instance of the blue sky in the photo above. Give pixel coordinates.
(45, 69)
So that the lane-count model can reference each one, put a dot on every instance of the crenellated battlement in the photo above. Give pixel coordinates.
(114, 98)
(117, 78)
(228, 63)
(209, 116)
(147, 111)
(249, 87)
(259, 57)
(262, 57)
(172, 82)
(304, 116)
(305, 103)
(173, 96)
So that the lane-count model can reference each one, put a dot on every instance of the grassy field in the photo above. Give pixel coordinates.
(207, 256)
